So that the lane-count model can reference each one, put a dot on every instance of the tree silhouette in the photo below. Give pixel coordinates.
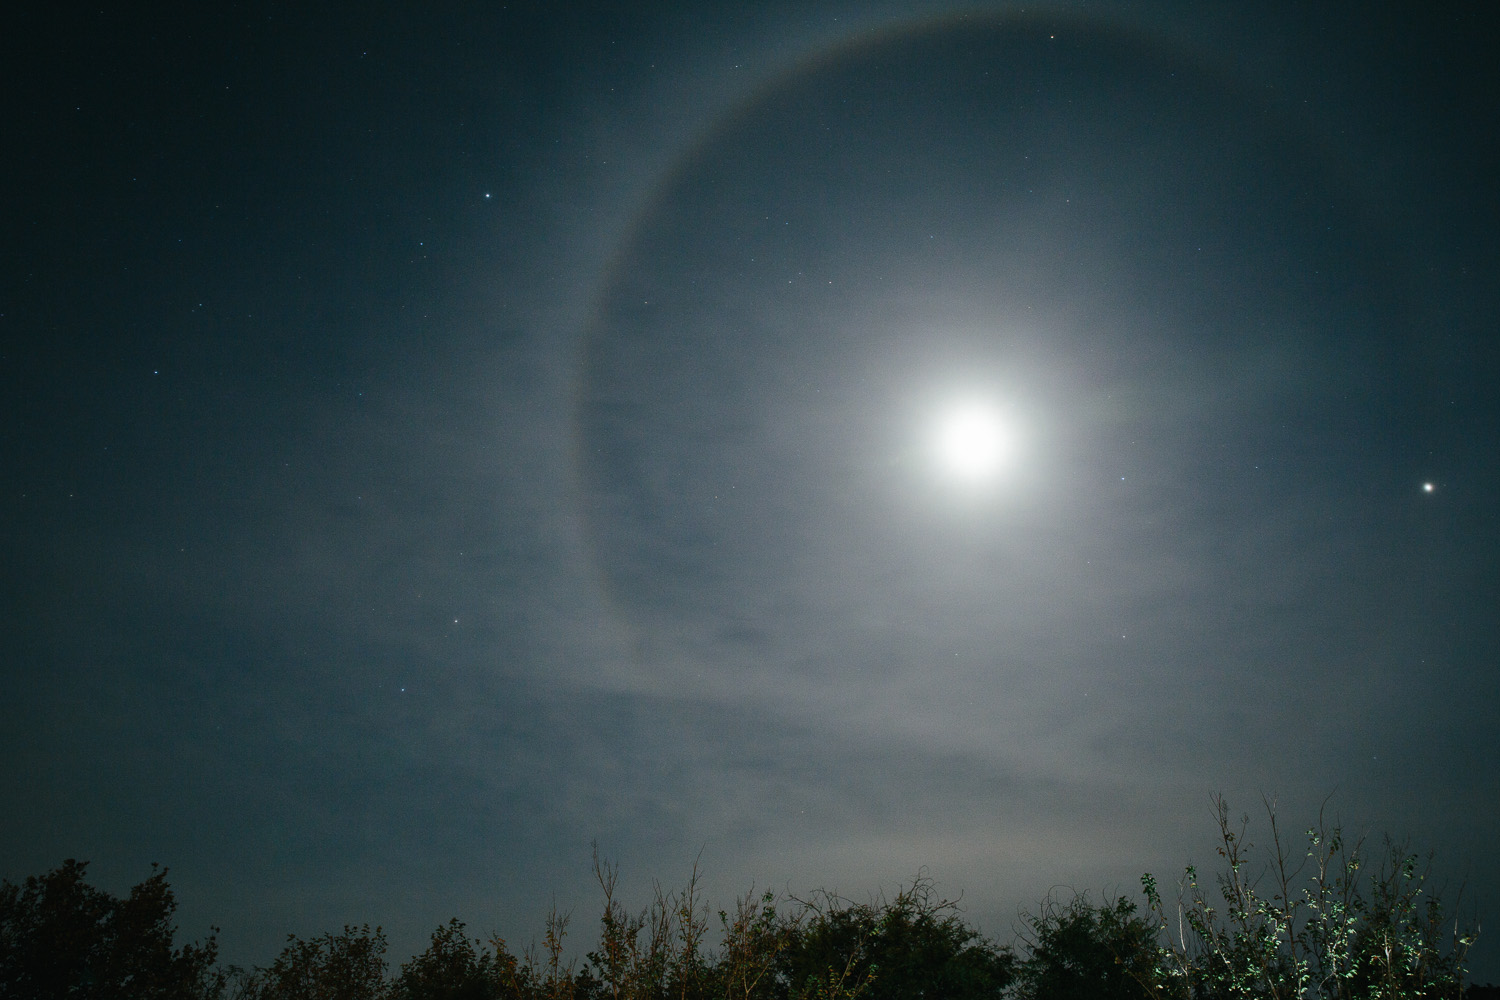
(62, 938)
(346, 966)
(1328, 920)
(913, 947)
(450, 969)
(1079, 951)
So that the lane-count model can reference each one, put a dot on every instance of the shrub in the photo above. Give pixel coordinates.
(346, 966)
(912, 947)
(1329, 925)
(1077, 951)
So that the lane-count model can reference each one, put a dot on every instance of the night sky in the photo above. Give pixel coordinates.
(436, 438)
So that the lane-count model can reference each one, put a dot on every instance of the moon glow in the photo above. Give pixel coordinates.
(972, 442)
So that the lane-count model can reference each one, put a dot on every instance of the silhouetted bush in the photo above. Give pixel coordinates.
(452, 968)
(912, 947)
(346, 966)
(1328, 922)
(1077, 951)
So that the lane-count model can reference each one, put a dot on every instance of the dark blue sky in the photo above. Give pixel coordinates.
(435, 439)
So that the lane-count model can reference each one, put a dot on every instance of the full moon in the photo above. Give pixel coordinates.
(972, 442)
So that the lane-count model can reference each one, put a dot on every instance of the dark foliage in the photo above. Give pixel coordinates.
(1327, 921)
(913, 947)
(1082, 952)
(452, 968)
(346, 966)
(62, 938)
